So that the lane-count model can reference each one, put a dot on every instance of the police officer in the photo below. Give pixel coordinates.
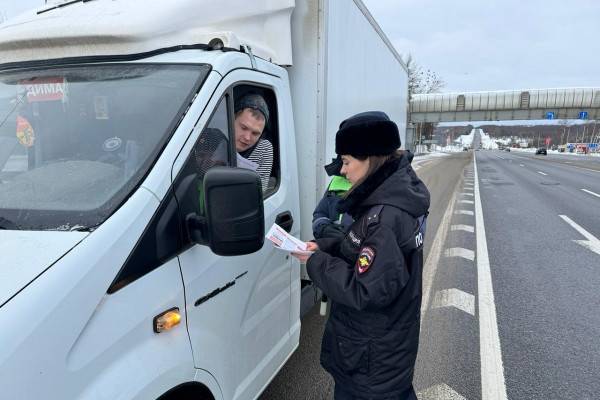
(373, 275)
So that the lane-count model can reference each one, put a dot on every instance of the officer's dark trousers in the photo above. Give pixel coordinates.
(340, 394)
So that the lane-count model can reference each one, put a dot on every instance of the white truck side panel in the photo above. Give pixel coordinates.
(343, 64)
(305, 94)
(363, 73)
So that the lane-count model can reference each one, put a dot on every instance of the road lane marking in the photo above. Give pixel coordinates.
(460, 252)
(464, 212)
(493, 386)
(466, 201)
(461, 227)
(541, 173)
(568, 162)
(587, 169)
(590, 192)
(440, 392)
(435, 253)
(592, 243)
(466, 194)
(454, 298)
(521, 165)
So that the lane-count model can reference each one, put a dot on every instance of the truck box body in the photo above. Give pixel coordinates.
(132, 262)
(343, 65)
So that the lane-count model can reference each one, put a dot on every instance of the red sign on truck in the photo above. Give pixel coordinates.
(45, 89)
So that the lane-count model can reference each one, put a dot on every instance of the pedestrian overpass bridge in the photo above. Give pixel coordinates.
(565, 103)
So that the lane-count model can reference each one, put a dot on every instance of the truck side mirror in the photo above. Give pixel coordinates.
(234, 221)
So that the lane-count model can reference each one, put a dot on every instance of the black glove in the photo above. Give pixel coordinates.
(333, 231)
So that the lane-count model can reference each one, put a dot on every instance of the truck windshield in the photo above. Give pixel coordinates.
(76, 141)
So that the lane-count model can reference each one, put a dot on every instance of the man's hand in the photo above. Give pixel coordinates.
(303, 258)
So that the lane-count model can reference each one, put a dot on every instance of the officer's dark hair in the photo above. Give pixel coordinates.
(375, 162)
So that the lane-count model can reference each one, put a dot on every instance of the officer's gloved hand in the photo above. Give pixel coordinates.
(333, 231)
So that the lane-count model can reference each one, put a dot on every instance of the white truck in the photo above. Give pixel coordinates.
(129, 269)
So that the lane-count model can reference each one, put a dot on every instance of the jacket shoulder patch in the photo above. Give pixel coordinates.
(373, 215)
(365, 259)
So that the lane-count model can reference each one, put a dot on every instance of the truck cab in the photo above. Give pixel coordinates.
(132, 255)
(103, 232)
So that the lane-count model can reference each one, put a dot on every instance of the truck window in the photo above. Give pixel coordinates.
(76, 141)
(210, 150)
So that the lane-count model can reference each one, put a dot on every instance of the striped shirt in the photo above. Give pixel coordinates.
(263, 156)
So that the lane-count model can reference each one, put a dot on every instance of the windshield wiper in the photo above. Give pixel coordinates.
(61, 5)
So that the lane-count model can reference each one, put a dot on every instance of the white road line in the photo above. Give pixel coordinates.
(466, 194)
(541, 173)
(440, 392)
(435, 253)
(592, 243)
(460, 252)
(493, 386)
(521, 165)
(454, 298)
(568, 162)
(590, 192)
(460, 227)
(466, 201)
(464, 212)
(587, 169)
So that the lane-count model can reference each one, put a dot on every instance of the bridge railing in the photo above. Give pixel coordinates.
(561, 98)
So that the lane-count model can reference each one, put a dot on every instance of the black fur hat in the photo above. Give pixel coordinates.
(369, 133)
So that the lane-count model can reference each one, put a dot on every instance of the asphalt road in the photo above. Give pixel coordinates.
(547, 286)
(302, 377)
(511, 283)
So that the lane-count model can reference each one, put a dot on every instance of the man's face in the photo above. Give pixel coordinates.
(248, 129)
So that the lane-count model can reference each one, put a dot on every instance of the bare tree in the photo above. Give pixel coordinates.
(422, 80)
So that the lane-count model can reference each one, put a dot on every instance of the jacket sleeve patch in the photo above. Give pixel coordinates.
(365, 259)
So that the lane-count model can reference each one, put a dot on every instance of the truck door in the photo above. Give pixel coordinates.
(238, 308)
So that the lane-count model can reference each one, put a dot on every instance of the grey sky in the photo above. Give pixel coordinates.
(485, 45)
(498, 44)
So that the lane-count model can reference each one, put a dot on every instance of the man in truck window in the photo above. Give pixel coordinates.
(251, 117)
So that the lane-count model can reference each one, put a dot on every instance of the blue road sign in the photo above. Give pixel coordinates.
(593, 145)
(583, 115)
(550, 115)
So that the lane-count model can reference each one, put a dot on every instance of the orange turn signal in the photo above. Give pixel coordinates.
(167, 320)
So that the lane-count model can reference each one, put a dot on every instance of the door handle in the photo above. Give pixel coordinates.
(285, 220)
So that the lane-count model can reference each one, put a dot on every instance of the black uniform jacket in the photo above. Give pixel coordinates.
(371, 338)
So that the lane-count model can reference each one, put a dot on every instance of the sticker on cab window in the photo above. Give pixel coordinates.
(101, 107)
(112, 144)
(25, 133)
(45, 89)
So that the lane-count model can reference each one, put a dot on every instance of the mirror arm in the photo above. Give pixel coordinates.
(197, 228)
